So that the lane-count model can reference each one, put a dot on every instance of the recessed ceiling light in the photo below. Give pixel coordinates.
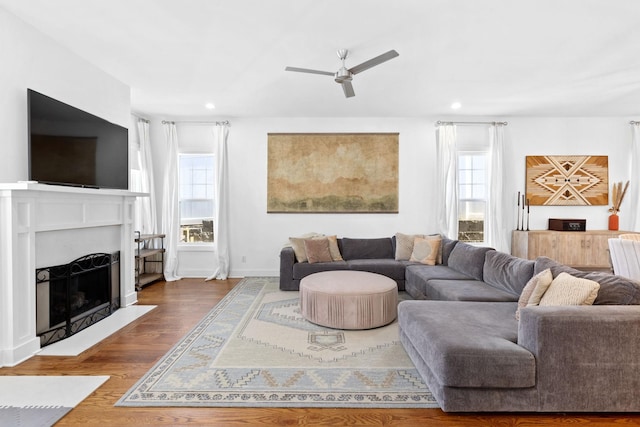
(209, 106)
(456, 105)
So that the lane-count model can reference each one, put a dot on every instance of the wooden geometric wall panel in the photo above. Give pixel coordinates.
(567, 180)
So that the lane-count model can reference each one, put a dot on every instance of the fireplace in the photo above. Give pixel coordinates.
(51, 225)
(73, 296)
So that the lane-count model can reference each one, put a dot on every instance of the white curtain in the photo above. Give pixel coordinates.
(447, 180)
(221, 214)
(170, 204)
(496, 227)
(148, 214)
(633, 216)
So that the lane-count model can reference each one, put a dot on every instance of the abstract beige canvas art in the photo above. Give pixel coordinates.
(332, 172)
(567, 180)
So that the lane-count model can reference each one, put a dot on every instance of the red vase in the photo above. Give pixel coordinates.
(614, 222)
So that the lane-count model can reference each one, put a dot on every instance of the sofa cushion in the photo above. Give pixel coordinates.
(317, 250)
(418, 275)
(507, 272)
(387, 267)
(614, 290)
(468, 344)
(468, 259)
(569, 290)
(366, 248)
(447, 247)
(303, 269)
(466, 290)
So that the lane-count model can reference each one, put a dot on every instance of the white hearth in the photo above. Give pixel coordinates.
(43, 225)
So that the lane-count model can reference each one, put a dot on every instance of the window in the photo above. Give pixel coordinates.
(472, 195)
(196, 197)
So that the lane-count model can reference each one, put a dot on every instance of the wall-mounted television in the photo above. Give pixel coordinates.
(68, 146)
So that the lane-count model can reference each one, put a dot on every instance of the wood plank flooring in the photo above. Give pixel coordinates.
(132, 351)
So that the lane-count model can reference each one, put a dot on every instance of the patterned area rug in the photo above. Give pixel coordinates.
(254, 349)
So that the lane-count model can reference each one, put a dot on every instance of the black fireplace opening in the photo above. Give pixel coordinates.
(71, 297)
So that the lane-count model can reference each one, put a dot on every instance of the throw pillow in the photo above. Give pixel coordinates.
(569, 290)
(545, 277)
(539, 289)
(404, 245)
(425, 250)
(317, 250)
(334, 249)
(297, 243)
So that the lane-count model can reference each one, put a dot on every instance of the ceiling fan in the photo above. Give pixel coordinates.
(344, 75)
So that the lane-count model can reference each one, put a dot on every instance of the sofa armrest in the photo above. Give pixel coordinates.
(287, 259)
(587, 357)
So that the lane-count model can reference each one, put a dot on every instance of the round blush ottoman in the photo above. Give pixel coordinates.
(348, 299)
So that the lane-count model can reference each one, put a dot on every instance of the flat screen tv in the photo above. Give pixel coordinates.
(68, 146)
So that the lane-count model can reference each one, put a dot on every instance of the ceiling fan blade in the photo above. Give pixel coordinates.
(306, 70)
(347, 87)
(374, 61)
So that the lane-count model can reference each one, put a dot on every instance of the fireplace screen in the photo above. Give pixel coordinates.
(74, 296)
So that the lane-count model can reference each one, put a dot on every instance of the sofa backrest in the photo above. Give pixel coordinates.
(447, 247)
(507, 272)
(614, 290)
(468, 259)
(379, 248)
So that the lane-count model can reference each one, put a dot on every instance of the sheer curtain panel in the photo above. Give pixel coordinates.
(221, 213)
(633, 220)
(149, 223)
(447, 180)
(496, 228)
(170, 204)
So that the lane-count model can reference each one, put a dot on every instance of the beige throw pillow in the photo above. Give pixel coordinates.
(569, 290)
(334, 249)
(317, 250)
(404, 245)
(297, 243)
(425, 250)
(544, 279)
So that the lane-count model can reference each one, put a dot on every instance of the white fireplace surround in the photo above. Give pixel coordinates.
(43, 225)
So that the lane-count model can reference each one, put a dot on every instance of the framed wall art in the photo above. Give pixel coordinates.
(567, 180)
(332, 172)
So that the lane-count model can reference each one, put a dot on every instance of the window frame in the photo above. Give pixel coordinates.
(204, 246)
(474, 151)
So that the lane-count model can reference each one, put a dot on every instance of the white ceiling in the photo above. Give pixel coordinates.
(497, 57)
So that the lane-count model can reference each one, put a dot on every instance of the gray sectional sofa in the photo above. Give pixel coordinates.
(461, 332)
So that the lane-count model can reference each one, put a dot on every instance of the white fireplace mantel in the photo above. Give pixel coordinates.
(43, 225)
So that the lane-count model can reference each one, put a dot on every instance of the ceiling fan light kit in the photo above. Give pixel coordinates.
(344, 76)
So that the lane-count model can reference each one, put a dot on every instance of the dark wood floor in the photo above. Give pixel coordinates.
(129, 353)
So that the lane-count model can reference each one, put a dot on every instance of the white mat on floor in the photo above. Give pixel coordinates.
(76, 344)
(34, 401)
(67, 390)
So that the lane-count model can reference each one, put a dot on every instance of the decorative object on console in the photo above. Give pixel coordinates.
(559, 224)
(332, 173)
(567, 180)
(617, 196)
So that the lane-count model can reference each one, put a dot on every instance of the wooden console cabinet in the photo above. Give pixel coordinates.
(586, 250)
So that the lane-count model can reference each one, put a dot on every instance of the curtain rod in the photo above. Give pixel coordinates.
(224, 122)
(144, 119)
(438, 123)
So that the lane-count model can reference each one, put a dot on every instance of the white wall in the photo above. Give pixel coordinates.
(256, 237)
(32, 60)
